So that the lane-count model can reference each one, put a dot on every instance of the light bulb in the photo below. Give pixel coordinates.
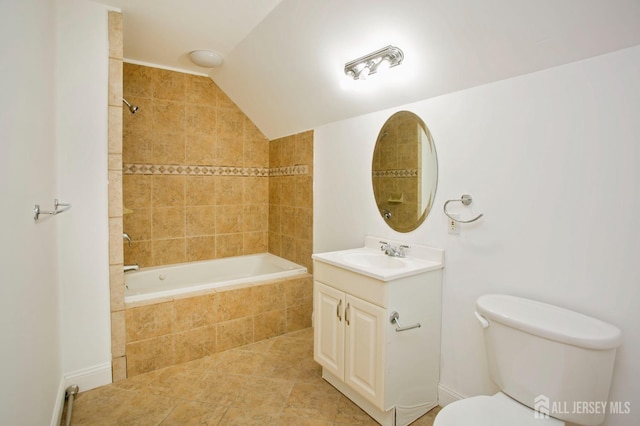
(383, 65)
(364, 73)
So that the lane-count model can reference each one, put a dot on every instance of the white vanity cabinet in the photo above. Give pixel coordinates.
(392, 375)
(349, 340)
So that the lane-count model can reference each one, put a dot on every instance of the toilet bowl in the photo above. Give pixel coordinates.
(496, 410)
(538, 350)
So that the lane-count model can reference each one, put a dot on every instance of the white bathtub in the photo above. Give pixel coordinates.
(166, 281)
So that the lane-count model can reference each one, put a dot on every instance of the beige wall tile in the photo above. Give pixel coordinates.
(138, 81)
(140, 253)
(115, 193)
(195, 312)
(115, 241)
(136, 191)
(119, 368)
(116, 287)
(255, 242)
(228, 245)
(115, 35)
(167, 222)
(118, 334)
(151, 354)
(114, 129)
(299, 291)
(199, 149)
(195, 343)
(229, 219)
(234, 304)
(229, 190)
(115, 82)
(234, 333)
(168, 191)
(138, 224)
(256, 190)
(200, 91)
(298, 317)
(269, 324)
(115, 162)
(200, 191)
(201, 221)
(150, 321)
(268, 297)
(168, 85)
(200, 248)
(167, 252)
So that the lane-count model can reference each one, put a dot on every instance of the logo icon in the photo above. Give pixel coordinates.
(541, 407)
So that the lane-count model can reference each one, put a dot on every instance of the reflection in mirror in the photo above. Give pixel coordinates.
(404, 171)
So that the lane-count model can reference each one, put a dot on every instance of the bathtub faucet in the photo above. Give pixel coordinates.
(131, 267)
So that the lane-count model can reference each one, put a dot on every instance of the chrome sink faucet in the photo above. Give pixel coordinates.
(392, 251)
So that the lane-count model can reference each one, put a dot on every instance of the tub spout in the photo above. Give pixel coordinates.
(131, 267)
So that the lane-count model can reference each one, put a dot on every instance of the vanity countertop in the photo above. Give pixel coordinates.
(371, 261)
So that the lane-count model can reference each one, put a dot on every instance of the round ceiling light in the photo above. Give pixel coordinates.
(206, 58)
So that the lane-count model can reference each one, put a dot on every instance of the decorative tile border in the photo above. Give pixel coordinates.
(172, 169)
(298, 169)
(401, 173)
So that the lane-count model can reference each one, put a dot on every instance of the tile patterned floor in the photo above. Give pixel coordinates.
(273, 382)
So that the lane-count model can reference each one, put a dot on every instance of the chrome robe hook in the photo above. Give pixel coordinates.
(465, 200)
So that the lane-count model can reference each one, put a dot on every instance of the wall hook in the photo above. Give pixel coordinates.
(465, 199)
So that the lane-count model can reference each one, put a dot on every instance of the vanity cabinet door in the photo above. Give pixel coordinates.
(364, 351)
(328, 348)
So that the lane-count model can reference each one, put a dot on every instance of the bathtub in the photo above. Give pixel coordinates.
(173, 280)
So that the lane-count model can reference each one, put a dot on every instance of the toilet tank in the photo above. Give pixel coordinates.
(548, 357)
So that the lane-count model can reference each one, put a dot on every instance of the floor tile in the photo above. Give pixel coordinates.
(272, 382)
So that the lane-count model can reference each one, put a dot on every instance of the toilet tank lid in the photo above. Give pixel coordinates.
(549, 321)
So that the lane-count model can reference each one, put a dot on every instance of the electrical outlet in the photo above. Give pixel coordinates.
(452, 225)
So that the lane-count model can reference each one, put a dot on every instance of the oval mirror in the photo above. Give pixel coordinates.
(404, 171)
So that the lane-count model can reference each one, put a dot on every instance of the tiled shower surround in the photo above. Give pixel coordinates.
(176, 209)
(200, 181)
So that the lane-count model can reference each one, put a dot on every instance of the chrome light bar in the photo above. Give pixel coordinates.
(386, 57)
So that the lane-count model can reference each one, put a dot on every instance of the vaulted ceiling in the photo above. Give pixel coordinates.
(284, 59)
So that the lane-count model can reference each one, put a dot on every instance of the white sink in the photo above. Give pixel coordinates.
(370, 261)
(373, 260)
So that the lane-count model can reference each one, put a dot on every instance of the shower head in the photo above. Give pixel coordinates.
(132, 108)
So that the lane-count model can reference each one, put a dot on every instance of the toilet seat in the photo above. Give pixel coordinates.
(496, 410)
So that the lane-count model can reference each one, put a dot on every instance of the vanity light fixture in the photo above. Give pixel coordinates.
(205, 58)
(363, 67)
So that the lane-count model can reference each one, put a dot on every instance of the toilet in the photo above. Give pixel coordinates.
(548, 362)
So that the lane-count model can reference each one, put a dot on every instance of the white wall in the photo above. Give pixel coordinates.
(81, 129)
(552, 160)
(54, 293)
(29, 327)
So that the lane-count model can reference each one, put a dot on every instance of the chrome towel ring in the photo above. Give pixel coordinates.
(465, 200)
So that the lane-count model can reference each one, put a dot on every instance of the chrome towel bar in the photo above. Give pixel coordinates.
(56, 209)
(393, 319)
(465, 200)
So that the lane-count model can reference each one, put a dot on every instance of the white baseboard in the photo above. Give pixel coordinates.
(447, 395)
(90, 378)
(86, 379)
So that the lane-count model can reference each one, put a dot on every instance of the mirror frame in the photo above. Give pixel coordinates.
(398, 184)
